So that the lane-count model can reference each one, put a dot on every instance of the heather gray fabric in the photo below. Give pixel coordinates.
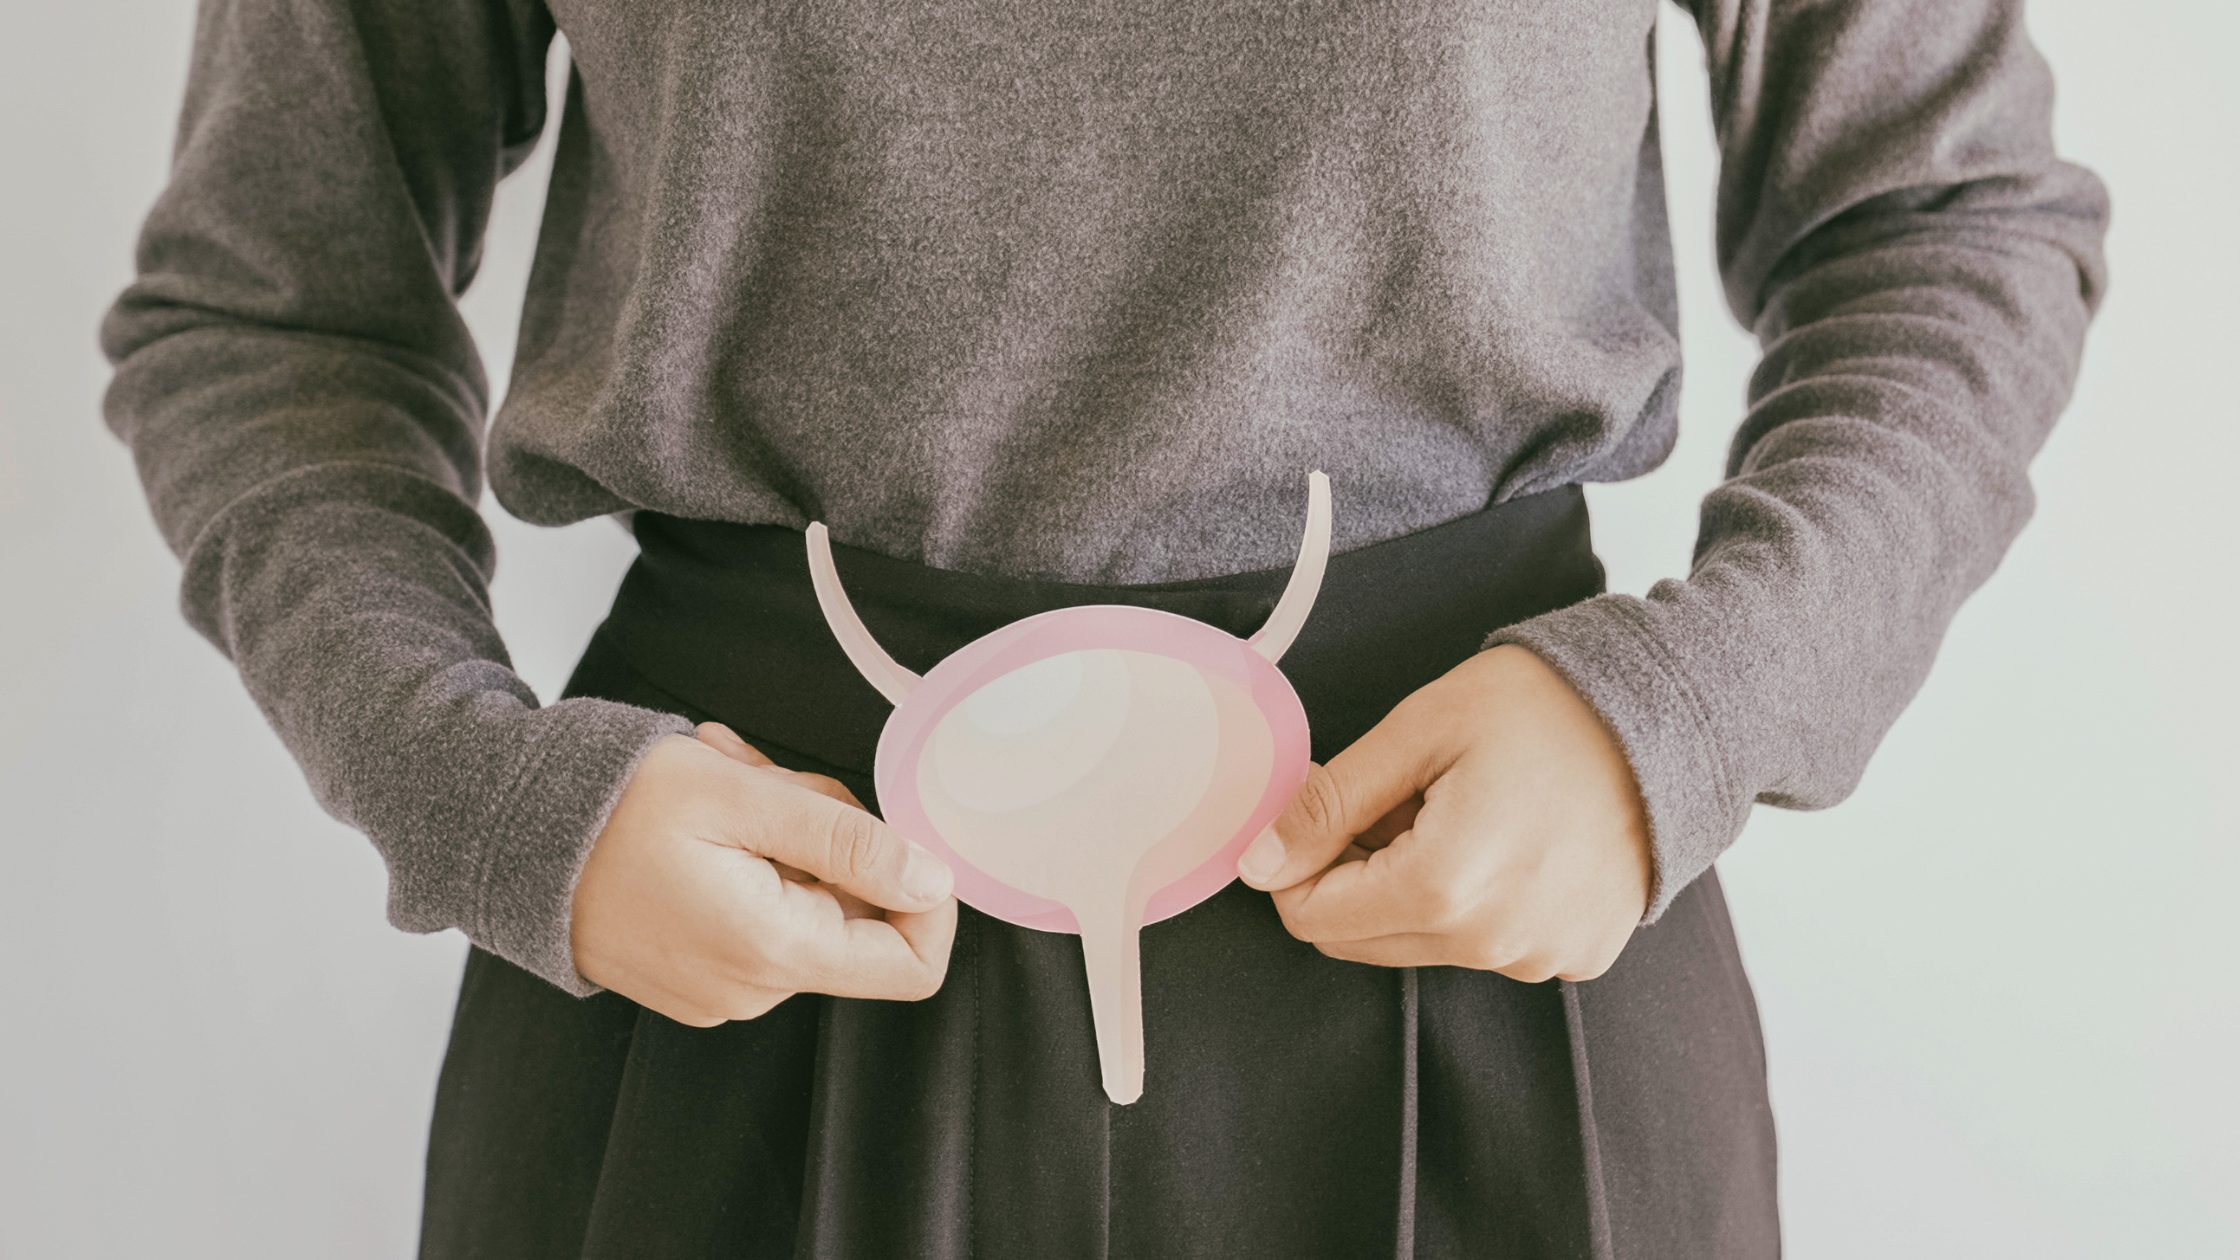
(1080, 291)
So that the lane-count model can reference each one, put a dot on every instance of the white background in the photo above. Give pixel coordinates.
(1997, 982)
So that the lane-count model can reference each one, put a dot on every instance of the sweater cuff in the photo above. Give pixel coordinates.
(520, 874)
(1607, 650)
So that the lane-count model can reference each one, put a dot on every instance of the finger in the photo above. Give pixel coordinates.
(1404, 949)
(1387, 893)
(1386, 911)
(851, 905)
(746, 1001)
(822, 785)
(1383, 769)
(1432, 949)
(726, 741)
(1444, 874)
(930, 935)
(754, 1003)
(705, 1008)
(841, 844)
(901, 958)
(855, 907)
(1396, 820)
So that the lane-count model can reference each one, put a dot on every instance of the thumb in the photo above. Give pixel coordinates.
(1338, 802)
(844, 845)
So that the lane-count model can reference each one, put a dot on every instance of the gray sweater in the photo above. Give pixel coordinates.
(1080, 289)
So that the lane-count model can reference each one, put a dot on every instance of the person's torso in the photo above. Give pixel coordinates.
(1083, 290)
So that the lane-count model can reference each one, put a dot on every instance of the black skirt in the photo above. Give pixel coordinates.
(1294, 1106)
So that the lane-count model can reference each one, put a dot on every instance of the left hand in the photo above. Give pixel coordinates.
(1490, 821)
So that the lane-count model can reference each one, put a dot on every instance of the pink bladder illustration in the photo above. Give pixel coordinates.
(1093, 769)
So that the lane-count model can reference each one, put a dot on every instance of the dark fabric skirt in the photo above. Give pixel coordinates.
(1295, 1106)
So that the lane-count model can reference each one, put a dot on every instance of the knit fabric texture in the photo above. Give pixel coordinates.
(1080, 290)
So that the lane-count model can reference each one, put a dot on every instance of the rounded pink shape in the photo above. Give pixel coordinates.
(1084, 628)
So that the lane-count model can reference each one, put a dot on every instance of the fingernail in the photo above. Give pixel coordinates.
(1262, 858)
(926, 878)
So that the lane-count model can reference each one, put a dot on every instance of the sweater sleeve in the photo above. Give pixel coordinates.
(1919, 268)
(305, 409)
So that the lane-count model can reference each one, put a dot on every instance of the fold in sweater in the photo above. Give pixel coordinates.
(1080, 291)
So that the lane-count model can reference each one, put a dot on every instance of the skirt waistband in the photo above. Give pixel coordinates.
(722, 616)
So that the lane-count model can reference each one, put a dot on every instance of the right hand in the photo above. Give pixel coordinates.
(722, 885)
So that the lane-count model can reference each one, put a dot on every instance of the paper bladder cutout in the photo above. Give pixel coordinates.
(1093, 769)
